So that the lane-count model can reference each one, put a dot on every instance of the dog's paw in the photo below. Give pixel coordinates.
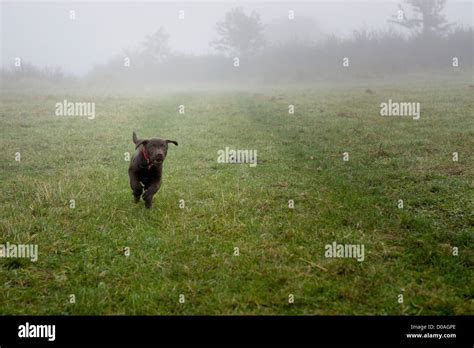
(136, 199)
(148, 204)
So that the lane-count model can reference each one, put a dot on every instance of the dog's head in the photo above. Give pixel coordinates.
(155, 148)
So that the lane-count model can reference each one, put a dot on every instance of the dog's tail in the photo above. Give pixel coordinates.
(135, 140)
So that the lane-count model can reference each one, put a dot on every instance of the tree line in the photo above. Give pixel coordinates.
(244, 54)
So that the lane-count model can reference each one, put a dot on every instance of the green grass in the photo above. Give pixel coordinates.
(190, 251)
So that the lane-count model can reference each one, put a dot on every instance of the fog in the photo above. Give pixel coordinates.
(43, 34)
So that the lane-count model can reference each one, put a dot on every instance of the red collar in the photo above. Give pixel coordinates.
(145, 156)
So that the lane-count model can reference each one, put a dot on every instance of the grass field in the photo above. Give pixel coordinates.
(190, 250)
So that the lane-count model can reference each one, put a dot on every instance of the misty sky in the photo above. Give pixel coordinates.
(42, 33)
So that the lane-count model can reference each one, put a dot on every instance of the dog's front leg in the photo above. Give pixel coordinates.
(135, 185)
(150, 192)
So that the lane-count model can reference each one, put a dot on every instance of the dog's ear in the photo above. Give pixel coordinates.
(135, 140)
(138, 142)
(141, 142)
(172, 141)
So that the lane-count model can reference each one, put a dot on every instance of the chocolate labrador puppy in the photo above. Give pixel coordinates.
(146, 167)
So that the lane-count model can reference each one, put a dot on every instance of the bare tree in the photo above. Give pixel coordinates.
(427, 21)
(155, 47)
(239, 34)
